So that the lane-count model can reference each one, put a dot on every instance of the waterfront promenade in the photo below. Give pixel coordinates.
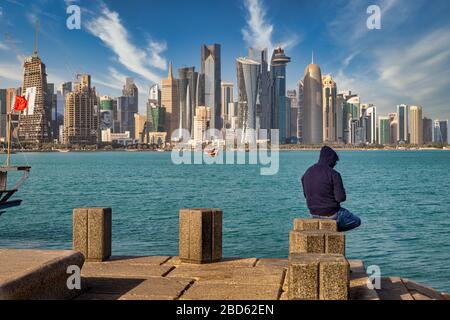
(166, 278)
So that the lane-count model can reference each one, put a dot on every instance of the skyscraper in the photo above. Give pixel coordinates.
(35, 121)
(188, 96)
(139, 127)
(211, 69)
(403, 123)
(248, 71)
(202, 121)
(312, 105)
(384, 130)
(340, 125)
(427, 131)
(227, 98)
(393, 118)
(171, 102)
(300, 112)
(127, 107)
(416, 125)
(293, 97)
(329, 109)
(53, 105)
(280, 112)
(79, 121)
(370, 115)
(441, 131)
(106, 113)
(265, 93)
(154, 94)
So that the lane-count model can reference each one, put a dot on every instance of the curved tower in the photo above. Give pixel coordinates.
(247, 81)
(312, 105)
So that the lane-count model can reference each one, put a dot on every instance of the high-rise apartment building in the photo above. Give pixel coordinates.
(427, 130)
(300, 112)
(441, 131)
(127, 107)
(415, 125)
(80, 125)
(393, 118)
(170, 100)
(202, 121)
(384, 130)
(139, 125)
(293, 99)
(370, 116)
(211, 69)
(312, 132)
(329, 109)
(227, 98)
(403, 123)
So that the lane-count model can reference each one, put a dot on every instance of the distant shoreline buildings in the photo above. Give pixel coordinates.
(313, 113)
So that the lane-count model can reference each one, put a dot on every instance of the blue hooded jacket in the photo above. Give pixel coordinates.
(322, 185)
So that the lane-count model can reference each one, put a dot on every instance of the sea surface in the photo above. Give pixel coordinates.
(403, 198)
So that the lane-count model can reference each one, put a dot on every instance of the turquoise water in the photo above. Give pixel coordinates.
(401, 196)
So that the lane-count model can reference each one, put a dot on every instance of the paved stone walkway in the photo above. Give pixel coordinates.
(165, 278)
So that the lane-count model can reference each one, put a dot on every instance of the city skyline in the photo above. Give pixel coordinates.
(394, 81)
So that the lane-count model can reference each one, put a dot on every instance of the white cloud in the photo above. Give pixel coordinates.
(258, 32)
(11, 72)
(411, 72)
(422, 69)
(109, 28)
(156, 60)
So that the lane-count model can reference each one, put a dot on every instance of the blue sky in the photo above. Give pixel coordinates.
(407, 61)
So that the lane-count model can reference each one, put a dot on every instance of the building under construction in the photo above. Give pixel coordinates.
(35, 121)
(80, 118)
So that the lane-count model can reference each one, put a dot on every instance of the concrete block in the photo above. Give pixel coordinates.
(306, 242)
(334, 278)
(303, 275)
(92, 229)
(303, 224)
(335, 243)
(306, 224)
(327, 225)
(318, 277)
(200, 235)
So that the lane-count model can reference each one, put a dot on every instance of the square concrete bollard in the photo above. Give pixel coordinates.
(303, 224)
(318, 277)
(92, 229)
(334, 278)
(303, 275)
(306, 242)
(200, 235)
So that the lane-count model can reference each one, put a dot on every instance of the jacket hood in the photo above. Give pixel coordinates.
(328, 157)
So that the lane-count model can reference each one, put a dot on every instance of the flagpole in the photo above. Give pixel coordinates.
(8, 161)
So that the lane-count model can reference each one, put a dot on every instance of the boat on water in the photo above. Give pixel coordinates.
(63, 150)
(212, 152)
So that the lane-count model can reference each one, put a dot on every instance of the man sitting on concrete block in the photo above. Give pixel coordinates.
(324, 192)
